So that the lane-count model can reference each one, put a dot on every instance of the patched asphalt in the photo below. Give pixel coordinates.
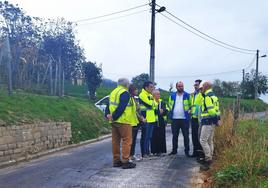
(91, 166)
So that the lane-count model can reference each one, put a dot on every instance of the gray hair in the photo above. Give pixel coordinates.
(123, 82)
(155, 91)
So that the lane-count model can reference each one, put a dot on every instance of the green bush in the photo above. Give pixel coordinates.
(230, 175)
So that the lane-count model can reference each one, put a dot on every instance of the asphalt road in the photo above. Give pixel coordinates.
(91, 166)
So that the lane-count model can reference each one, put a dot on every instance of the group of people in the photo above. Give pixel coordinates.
(129, 112)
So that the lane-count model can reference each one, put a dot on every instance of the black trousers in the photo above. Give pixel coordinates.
(135, 130)
(159, 140)
(176, 125)
(197, 148)
(143, 136)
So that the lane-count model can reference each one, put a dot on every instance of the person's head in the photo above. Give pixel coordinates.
(196, 84)
(123, 82)
(179, 87)
(156, 94)
(148, 86)
(206, 85)
(133, 90)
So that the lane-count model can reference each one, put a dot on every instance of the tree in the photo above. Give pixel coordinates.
(43, 52)
(230, 89)
(108, 83)
(139, 80)
(93, 77)
(20, 30)
(217, 88)
(226, 89)
(248, 86)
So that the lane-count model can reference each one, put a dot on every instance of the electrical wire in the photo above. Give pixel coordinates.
(252, 62)
(235, 50)
(224, 43)
(110, 14)
(212, 74)
(200, 75)
(114, 18)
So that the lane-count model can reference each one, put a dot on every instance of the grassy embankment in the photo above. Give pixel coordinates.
(247, 105)
(241, 157)
(87, 121)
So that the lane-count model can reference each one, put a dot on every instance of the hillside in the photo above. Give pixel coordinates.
(247, 105)
(87, 121)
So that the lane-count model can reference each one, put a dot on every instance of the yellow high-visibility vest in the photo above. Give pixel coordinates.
(148, 105)
(129, 115)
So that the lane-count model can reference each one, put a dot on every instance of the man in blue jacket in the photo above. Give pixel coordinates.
(179, 103)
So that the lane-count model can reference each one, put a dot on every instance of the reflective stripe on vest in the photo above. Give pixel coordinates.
(212, 105)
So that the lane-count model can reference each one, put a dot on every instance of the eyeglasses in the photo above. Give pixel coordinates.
(196, 84)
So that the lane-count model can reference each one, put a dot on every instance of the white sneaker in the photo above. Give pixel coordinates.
(135, 158)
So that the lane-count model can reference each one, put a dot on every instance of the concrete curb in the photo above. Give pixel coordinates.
(48, 152)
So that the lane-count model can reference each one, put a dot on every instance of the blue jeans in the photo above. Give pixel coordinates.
(149, 132)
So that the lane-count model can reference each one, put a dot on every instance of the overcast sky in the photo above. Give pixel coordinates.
(122, 45)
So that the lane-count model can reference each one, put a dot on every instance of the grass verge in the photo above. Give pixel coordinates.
(87, 121)
(242, 156)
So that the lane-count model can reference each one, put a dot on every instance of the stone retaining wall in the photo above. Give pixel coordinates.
(19, 142)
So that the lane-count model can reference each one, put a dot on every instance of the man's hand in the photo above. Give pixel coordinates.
(143, 120)
(161, 111)
(109, 117)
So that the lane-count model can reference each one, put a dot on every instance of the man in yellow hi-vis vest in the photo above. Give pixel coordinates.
(196, 99)
(210, 116)
(147, 106)
(122, 116)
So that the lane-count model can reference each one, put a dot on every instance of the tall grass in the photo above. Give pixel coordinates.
(242, 156)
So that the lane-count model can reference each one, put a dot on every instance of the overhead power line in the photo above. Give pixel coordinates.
(211, 74)
(209, 40)
(114, 18)
(201, 75)
(110, 14)
(251, 63)
(224, 43)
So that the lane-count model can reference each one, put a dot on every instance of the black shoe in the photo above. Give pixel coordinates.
(117, 164)
(200, 160)
(128, 165)
(172, 153)
(204, 167)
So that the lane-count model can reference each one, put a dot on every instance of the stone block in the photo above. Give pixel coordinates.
(3, 147)
(4, 158)
(17, 156)
(9, 152)
(18, 150)
(12, 146)
(7, 140)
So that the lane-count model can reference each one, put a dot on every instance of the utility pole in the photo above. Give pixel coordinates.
(257, 76)
(152, 43)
